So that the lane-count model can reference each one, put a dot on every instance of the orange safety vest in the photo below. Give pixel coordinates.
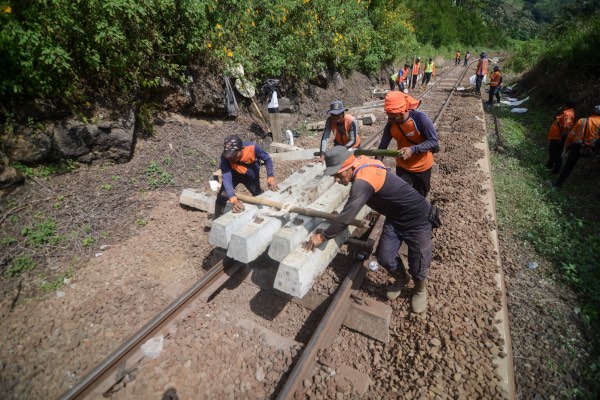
(458, 54)
(482, 66)
(562, 123)
(495, 78)
(248, 158)
(585, 131)
(370, 170)
(404, 75)
(344, 137)
(417, 162)
(416, 68)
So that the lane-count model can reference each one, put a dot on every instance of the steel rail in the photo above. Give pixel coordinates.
(210, 282)
(439, 116)
(330, 323)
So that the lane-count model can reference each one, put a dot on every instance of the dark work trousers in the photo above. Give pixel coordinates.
(392, 84)
(418, 240)
(426, 78)
(253, 186)
(555, 155)
(420, 181)
(478, 81)
(401, 86)
(414, 81)
(569, 164)
(466, 62)
(494, 91)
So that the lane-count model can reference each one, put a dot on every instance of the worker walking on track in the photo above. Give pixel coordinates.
(557, 134)
(467, 57)
(416, 138)
(406, 219)
(481, 71)
(343, 125)
(416, 70)
(580, 142)
(429, 71)
(495, 85)
(457, 59)
(402, 76)
(240, 163)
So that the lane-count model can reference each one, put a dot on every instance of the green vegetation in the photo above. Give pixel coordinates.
(20, 265)
(48, 48)
(141, 222)
(552, 222)
(58, 281)
(44, 171)
(106, 187)
(569, 48)
(157, 176)
(42, 233)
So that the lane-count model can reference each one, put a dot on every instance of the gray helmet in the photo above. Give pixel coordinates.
(335, 158)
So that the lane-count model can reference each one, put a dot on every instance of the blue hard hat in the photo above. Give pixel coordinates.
(483, 54)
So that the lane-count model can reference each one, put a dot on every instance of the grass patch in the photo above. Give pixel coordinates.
(20, 265)
(560, 225)
(42, 233)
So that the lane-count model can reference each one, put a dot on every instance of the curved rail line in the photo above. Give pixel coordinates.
(114, 367)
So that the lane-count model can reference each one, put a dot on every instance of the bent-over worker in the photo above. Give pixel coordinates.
(240, 163)
(406, 219)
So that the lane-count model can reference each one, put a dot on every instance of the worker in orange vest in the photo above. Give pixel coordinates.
(343, 125)
(481, 71)
(557, 134)
(415, 136)
(416, 70)
(457, 60)
(240, 163)
(402, 76)
(581, 141)
(407, 219)
(495, 85)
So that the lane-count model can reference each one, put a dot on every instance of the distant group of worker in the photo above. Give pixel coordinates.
(400, 197)
(407, 77)
(579, 139)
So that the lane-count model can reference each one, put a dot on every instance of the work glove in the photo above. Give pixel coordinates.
(238, 206)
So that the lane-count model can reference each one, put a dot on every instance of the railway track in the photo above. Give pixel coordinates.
(437, 99)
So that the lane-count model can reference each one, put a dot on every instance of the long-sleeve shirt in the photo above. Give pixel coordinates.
(424, 138)
(352, 133)
(248, 166)
(386, 193)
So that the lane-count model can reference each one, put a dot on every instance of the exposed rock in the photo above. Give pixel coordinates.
(10, 176)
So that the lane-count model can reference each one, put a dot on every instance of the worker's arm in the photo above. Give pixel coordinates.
(352, 134)
(325, 137)
(227, 179)
(360, 192)
(268, 161)
(425, 126)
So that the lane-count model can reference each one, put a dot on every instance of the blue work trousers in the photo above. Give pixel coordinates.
(419, 244)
